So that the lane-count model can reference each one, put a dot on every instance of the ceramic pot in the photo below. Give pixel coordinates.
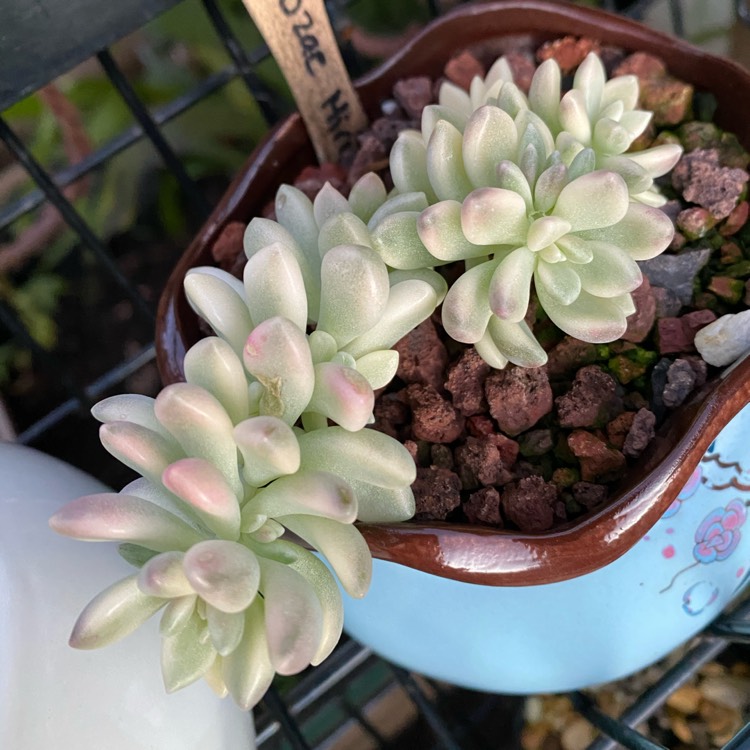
(438, 610)
(53, 696)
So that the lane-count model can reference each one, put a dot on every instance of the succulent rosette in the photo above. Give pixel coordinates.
(601, 114)
(512, 206)
(322, 265)
(219, 487)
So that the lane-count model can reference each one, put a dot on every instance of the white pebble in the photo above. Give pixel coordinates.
(725, 340)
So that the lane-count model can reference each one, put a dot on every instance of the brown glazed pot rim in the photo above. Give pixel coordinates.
(471, 553)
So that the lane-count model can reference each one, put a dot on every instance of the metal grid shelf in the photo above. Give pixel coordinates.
(341, 697)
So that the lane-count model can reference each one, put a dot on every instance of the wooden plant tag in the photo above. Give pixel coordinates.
(300, 37)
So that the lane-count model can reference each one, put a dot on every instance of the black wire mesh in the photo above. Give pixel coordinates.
(341, 697)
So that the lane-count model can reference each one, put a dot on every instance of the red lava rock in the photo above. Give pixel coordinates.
(701, 179)
(598, 462)
(680, 383)
(422, 356)
(391, 413)
(523, 68)
(618, 428)
(642, 320)
(311, 179)
(228, 247)
(413, 94)
(483, 506)
(693, 321)
(589, 494)
(462, 69)
(672, 338)
(518, 397)
(592, 400)
(479, 425)
(466, 383)
(569, 52)
(695, 223)
(678, 241)
(640, 434)
(479, 462)
(508, 448)
(529, 503)
(736, 219)
(568, 355)
(436, 493)
(642, 65)
(433, 418)
(670, 99)
(371, 156)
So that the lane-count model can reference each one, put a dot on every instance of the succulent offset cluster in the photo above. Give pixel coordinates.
(540, 189)
(520, 189)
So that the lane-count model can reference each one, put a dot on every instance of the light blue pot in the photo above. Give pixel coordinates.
(591, 629)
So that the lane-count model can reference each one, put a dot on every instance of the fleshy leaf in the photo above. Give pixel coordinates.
(202, 486)
(328, 202)
(544, 93)
(445, 166)
(115, 517)
(177, 614)
(516, 342)
(494, 216)
(294, 617)
(317, 493)
(408, 162)
(248, 671)
(560, 280)
(269, 448)
(187, 655)
(382, 504)
(367, 455)
(211, 363)
(409, 303)
(114, 613)
(163, 576)
(489, 138)
(278, 355)
(143, 450)
(343, 229)
(220, 303)
(354, 291)
(466, 309)
(397, 242)
(439, 228)
(129, 407)
(610, 273)
(510, 285)
(224, 574)
(198, 421)
(225, 629)
(593, 319)
(343, 395)
(342, 545)
(598, 199)
(379, 368)
(367, 194)
(274, 286)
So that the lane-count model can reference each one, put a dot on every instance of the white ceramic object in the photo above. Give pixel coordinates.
(53, 696)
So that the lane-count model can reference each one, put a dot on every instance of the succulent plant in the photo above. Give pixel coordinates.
(520, 189)
(518, 200)
(204, 523)
(322, 263)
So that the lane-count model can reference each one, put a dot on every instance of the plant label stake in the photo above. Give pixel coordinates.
(300, 37)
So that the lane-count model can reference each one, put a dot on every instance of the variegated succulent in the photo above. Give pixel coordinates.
(220, 486)
(518, 197)
(322, 263)
(521, 190)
